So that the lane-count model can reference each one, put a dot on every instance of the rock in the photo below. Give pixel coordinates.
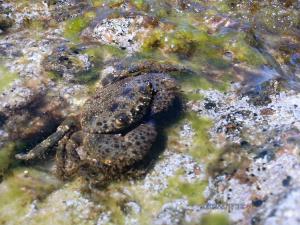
(67, 62)
(38, 120)
(5, 19)
(21, 191)
(261, 94)
(285, 211)
(131, 208)
(5, 22)
(236, 116)
(122, 32)
(157, 180)
(19, 95)
(171, 213)
(62, 10)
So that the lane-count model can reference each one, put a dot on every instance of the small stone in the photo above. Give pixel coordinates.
(267, 111)
(286, 182)
(257, 202)
(210, 105)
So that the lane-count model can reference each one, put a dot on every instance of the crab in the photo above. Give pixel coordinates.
(116, 127)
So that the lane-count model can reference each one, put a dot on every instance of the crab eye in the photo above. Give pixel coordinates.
(121, 120)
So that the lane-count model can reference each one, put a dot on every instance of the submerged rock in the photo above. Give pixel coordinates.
(238, 118)
(260, 95)
(5, 22)
(22, 191)
(122, 32)
(62, 10)
(67, 62)
(285, 210)
(20, 95)
(5, 19)
(172, 213)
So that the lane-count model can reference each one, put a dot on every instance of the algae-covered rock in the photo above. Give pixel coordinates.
(6, 78)
(67, 62)
(21, 191)
(5, 22)
(121, 32)
(5, 19)
(7, 156)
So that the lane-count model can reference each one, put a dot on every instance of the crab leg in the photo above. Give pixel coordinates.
(67, 159)
(42, 148)
(115, 151)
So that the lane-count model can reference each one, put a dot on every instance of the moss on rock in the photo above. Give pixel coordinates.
(6, 78)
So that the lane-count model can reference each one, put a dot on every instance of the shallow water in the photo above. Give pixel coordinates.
(239, 74)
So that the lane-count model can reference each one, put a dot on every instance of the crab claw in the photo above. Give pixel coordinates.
(46, 145)
(114, 154)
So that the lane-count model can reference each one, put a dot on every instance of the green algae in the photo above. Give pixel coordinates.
(179, 188)
(74, 26)
(189, 44)
(110, 3)
(114, 206)
(97, 3)
(19, 190)
(193, 96)
(6, 78)
(228, 160)
(194, 49)
(112, 199)
(65, 205)
(199, 48)
(202, 147)
(6, 156)
(34, 25)
(139, 4)
(225, 160)
(193, 82)
(98, 54)
(238, 44)
(53, 76)
(215, 219)
(88, 77)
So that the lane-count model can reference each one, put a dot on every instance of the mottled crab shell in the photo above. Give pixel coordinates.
(112, 153)
(117, 106)
(124, 103)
